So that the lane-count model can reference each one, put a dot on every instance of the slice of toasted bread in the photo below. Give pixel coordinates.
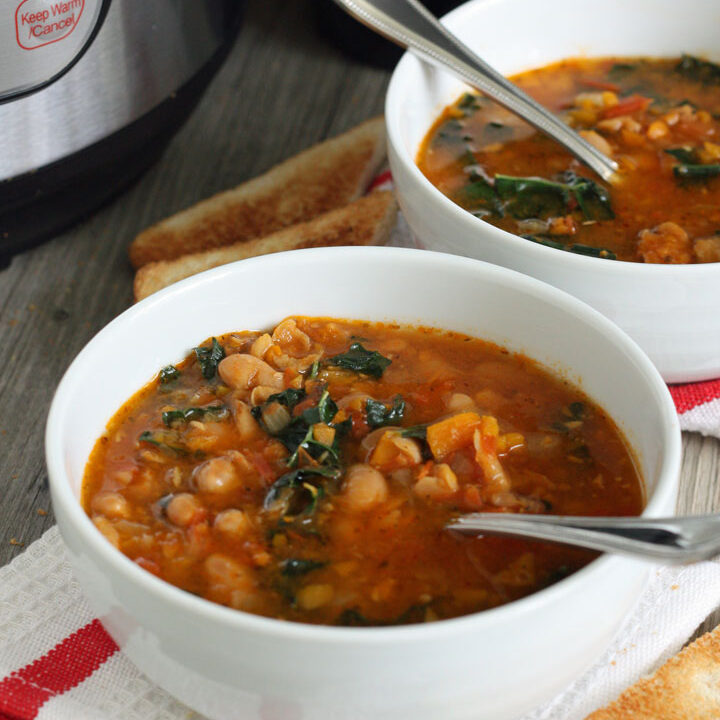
(686, 687)
(324, 177)
(367, 221)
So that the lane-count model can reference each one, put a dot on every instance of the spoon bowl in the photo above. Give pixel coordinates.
(673, 540)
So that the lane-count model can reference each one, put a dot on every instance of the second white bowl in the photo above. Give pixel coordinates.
(670, 310)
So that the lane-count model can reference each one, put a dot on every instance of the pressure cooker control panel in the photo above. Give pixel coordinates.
(41, 39)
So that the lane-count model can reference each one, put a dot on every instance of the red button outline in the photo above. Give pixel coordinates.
(49, 42)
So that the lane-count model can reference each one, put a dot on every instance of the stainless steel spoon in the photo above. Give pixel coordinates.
(673, 540)
(411, 25)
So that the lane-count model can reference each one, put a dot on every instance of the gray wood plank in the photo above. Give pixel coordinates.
(700, 492)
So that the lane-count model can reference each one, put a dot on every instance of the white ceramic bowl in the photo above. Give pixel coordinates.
(229, 664)
(671, 311)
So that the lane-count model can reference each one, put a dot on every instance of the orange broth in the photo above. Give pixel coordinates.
(659, 119)
(307, 473)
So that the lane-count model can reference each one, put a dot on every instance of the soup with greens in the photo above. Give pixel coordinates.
(659, 119)
(307, 473)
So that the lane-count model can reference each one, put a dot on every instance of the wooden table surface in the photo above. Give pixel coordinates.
(283, 88)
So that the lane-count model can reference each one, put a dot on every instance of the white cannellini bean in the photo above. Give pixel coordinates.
(232, 522)
(216, 476)
(245, 423)
(224, 571)
(182, 509)
(291, 338)
(364, 487)
(441, 483)
(111, 505)
(261, 393)
(261, 346)
(598, 141)
(243, 372)
(409, 448)
(458, 402)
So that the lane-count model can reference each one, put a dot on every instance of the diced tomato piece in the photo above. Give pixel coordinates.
(305, 404)
(360, 428)
(628, 105)
(263, 467)
(601, 85)
(424, 470)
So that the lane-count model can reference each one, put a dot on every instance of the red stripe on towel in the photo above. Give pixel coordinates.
(689, 396)
(380, 179)
(24, 691)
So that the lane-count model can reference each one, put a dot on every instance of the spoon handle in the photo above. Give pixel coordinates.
(411, 25)
(674, 540)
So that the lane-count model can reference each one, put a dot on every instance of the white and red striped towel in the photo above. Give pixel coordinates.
(58, 663)
(698, 406)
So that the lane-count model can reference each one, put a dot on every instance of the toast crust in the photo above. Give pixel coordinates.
(367, 221)
(686, 687)
(326, 176)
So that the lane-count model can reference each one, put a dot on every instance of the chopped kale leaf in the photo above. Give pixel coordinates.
(469, 102)
(415, 431)
(209, 358)
(295, 567)
(165, 440)
(352, 617)
(497, 132)
(466, 158)
(696, 172)
(168, 374)
(289, 398)
(593, 199)
(360, 360)
(298, 433)
(620, 71)
(378, 414)
(590, 251)
(546, 241)
(419, 433)
(576, 248)
(531, 197)
(172, 418)
(479, 194)
(685, 155)
(323, 412)
(689, 168)
(299, 491)
(576, 410)
(702, 71)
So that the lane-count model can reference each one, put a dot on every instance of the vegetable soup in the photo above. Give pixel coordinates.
(659, 119)
(307, 473)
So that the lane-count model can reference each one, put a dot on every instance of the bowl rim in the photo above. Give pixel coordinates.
(237, 620)
(395, 102)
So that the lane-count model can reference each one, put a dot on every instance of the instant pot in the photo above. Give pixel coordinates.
(91, 91)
